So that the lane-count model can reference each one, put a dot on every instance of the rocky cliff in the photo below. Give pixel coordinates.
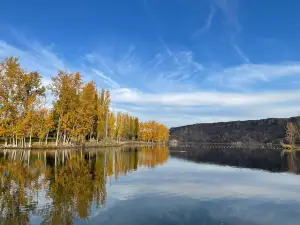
(270, 130)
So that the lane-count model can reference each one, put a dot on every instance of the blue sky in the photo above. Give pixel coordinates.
(176, 61)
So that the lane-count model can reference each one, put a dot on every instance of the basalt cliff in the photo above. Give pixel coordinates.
(270, 130)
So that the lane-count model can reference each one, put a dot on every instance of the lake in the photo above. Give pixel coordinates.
(150, 186)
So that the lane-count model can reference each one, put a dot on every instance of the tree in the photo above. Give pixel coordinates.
(291, 133)
(103, 114)
(32, 91)
(88, 108)
(19, 95)
(11, 75)
(66, 89)
(119, 126)
(112, 128)
(136, 128)
(153, 131)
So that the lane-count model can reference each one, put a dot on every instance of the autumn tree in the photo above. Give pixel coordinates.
(10, 82)
(119, 126)
(103, 114)
(66, 88)
(112, 125)
(291, 133)
(88, 109)
(153, 131)
(136, 128)
(20, 92)
(43, 124)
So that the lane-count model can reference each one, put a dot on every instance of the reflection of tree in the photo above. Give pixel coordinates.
(292, 162)
(72, 181)
(18, 188)
(152, 157)
(71, 192)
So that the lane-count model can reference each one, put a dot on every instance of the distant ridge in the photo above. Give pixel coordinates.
(270, 130)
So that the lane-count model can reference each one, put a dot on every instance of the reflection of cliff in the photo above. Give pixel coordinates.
(266, 159)
(72, 181)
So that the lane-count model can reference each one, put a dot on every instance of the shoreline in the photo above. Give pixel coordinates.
(84, 146)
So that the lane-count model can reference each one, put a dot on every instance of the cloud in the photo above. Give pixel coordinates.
(167, 69)
(106, 79)
(243, 76)
(33, 57)
(36, 57)
(175, 66)
(241, 53)
(125, 95)
(181, 108)
(229, 9)
(207, 23)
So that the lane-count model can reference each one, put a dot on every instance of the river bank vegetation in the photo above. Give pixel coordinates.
(80, 113)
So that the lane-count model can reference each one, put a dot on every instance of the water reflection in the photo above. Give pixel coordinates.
(264, 159)
(67, 183)
(127, 186)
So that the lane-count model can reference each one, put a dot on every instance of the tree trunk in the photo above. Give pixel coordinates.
(57, 134)
(106, 124)
(46, 141)
(13, 140)
(68, 140)
(30, 137)
(65, 136)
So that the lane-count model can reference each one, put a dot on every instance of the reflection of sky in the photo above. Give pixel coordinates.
(233, 195)
(183, 192)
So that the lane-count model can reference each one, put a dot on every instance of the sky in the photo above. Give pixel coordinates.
(175, 61)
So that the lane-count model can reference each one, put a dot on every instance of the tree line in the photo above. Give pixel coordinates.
(80, 112)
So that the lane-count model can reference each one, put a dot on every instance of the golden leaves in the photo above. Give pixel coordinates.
(153, 131)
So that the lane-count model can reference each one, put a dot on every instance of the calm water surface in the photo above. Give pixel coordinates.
(150, 186)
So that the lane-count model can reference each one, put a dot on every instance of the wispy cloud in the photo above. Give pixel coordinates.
(245, 75)
(229, 9)
(241, 53)
(106, 79)
(36, 57)
(165, 69)
(33, 55)
(207, 23)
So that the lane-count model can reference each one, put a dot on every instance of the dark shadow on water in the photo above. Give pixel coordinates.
(266, 159)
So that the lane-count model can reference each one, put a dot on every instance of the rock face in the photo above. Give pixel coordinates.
(251, 131)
